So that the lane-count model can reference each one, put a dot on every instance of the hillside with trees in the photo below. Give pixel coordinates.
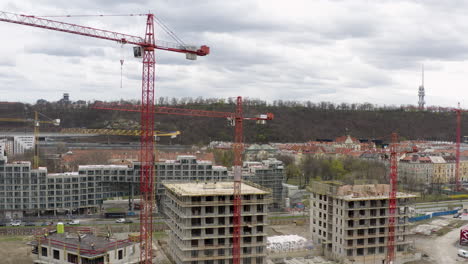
(294, 121)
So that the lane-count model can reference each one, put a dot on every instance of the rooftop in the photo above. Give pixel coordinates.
(103, 166)
(64, 174)
(356, 192)
(210, 188)
(89, 244)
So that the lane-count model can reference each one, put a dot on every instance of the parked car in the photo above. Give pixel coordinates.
(15, 223)
(74, 222)
(3, 223)
(462, 253)
(29, 224)
(457, 215)
(123, 221)
(46, 223)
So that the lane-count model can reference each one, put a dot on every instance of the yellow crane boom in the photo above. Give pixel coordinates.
(11, 119)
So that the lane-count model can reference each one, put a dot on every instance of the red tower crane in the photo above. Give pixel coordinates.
(237, 119)
(458, 111)
(145, 46)
(392, 198)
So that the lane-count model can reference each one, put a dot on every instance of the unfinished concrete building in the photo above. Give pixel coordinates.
(200, 219)
(81, 246)
(270, 174)
(350, 222)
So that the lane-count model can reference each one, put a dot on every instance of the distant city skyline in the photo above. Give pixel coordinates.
(336, 51)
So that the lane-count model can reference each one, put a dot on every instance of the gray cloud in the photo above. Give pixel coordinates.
(319, 50)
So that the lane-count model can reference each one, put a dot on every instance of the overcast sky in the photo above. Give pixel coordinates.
(338, 51)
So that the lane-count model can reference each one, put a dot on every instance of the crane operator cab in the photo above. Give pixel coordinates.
(137, 51)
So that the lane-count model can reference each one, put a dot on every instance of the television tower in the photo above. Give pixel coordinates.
(421, 92)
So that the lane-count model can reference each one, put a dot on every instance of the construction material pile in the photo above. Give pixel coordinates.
(434, 226)
(287, 243)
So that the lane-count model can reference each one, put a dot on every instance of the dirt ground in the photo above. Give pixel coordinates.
(13, 250)
(440, 249)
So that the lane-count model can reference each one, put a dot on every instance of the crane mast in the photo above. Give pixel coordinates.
(148, 46)
(392, 205)
(237, 202)
(147, 145)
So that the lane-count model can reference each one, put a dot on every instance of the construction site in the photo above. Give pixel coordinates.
(227, 202)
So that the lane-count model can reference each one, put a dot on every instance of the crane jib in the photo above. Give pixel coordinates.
(98, 33)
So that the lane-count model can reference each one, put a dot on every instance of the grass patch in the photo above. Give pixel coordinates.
(13, 238)
(159, 235)
(438, 198)
(115, 210)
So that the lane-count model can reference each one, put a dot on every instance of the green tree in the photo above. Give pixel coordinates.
(337, 169)
(293, 174)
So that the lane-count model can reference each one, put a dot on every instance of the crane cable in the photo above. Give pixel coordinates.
(121, 63)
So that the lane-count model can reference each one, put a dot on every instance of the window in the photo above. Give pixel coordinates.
(92, 261)
(209, 242)
(120, 254)
(56, 254)
(360, 251)
(44, 251)
(72, 258)
(221, 241)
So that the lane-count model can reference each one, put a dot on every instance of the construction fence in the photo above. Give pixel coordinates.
(428, 216)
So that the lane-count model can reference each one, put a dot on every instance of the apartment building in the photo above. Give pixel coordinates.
(200, 219)
(416, 168)
(34, 191)
(2, 148)
(270, 174)
(350, 222)
(186, 168)
(22, 143)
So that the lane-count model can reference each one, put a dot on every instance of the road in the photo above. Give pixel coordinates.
(86, 221)
(441, 249)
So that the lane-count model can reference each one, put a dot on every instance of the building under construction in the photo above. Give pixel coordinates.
(83, 246)
(201, 222)
(350, 222)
